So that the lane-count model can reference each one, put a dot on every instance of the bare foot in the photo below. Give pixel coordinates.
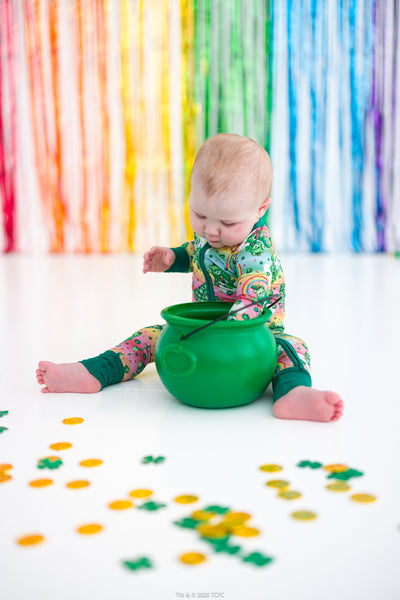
(307, 404)
(66, 377)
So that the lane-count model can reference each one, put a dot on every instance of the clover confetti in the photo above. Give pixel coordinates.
(3, 413)
(150, 459)
(346, 475)
(50, 462)
(311, 465)
(258, 559)
(224, 546)
(219, 510)
(187, 523)
(139, 563)
(3, 429)
(151, 505)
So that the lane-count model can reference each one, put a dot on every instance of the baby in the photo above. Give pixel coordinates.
(232, 258)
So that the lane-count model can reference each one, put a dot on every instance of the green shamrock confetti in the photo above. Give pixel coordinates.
(258, 559)
(346, 475)
(150, 459)
(3, 413)
(188, 523)
(139, 563)
(219, 510)
(3, 429)
(49, 463)
(224, 546)
(307, 463)
(151, 505)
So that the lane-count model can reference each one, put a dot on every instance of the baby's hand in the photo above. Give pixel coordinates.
(158, 259)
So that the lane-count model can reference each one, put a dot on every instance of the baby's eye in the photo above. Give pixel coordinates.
(200, 216)
(227, 224)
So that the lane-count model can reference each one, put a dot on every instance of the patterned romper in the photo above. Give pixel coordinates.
(243, 274)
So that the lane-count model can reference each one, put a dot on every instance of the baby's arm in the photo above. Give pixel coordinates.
(158, 259)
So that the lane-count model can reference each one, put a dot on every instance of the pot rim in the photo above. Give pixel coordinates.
(169, 314)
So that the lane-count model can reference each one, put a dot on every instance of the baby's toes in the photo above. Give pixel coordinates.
(338, 410)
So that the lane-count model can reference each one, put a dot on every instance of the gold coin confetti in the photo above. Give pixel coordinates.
(202, 515)
(91, 462)
(212, 531)
(192, 558)
(186, 499)
(60, 446)
(234, 519)
(336, 468)
(338, 486)
(278, 483)
(90, 528)
(73, 421)
(244, 531)
(270, 468)
(120, 504)
(289, 495)
(30, 540)
(304, 515)
(37, 483)
(364, 498)
(140, 493)
(77, 484)
(4, 477)
(5, 467)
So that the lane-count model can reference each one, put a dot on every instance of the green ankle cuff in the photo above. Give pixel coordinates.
(106, 367)
(287, 379)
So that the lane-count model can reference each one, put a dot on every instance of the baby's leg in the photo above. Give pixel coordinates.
(294, 398)
(120, 363)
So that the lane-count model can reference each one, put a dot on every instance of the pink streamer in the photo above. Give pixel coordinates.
(8, 163)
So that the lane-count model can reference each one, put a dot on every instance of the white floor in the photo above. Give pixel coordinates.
(65, 308)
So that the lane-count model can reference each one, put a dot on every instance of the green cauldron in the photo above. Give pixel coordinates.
(228, 363)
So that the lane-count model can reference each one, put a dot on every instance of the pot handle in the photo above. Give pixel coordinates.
(177, 360)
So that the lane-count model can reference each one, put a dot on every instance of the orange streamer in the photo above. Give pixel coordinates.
(58, 201)
(103, 9)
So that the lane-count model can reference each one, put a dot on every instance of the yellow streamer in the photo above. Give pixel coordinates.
(128, 208)
(189, 110)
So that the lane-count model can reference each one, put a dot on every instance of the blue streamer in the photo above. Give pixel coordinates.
(292, 52)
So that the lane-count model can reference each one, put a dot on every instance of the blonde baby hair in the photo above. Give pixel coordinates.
(229, 161)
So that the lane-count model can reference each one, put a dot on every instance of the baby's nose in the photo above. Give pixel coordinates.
(211, 229)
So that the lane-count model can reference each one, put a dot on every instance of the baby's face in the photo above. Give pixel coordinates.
(223, 221)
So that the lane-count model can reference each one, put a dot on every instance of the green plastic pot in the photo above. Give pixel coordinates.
(229, 363)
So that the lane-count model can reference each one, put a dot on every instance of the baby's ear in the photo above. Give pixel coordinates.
(264, 207)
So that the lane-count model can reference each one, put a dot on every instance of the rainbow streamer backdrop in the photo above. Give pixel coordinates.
(103, 105)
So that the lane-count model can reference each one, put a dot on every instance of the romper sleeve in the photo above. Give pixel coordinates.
(183, 258)
(255, 266)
